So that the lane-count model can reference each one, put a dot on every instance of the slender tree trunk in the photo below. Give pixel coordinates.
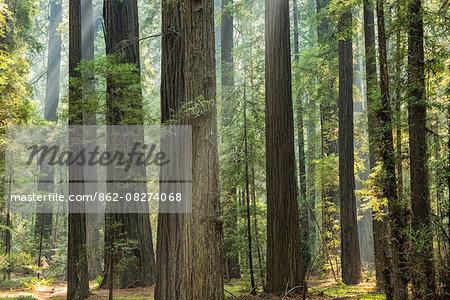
(328, 107)
(232, 269)
(136, 259)
(247, 197)
(304, 221)
(398, 105)
(311, 169)
(386, 144)
(8, 230)
(284, 260)
(41, 237)
(8, 226)
(77, 269)
(365, 229)
(203, 255)
(448, 173)
(93, 245)
(53, 62)
(217, 32)
(350, 256)
(423, 283)
(380, 226)
(255, 218)
(447, 277)
(169, 247)
(43, 224)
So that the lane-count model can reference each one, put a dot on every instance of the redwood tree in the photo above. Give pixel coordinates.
(170, 243)
(423, 284)
(44, 221)
(284, 260)
(77, 269)
(94, 253)
(388, 180)
(54, 62)
(133, 264)
(350, 256)
(380, 226)
(202, 274)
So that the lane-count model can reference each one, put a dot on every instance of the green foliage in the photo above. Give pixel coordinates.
(124, 93)
(21, 297)
(15, 24)
(191, 109)
(15, 39)
(14, 283)
(99, 280)
(345, 291)
(21, 262)
(36, 283)
(17, 15)
(247, 94)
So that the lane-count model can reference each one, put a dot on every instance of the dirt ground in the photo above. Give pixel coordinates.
(57, 291)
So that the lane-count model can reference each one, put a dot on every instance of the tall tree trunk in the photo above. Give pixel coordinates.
(398, 104)
(77, 269)
(446, 280)
(136, 259)
(247, 197)
(169, 247)
(94, 254)
(380, 226)
(232, 269)
(423, 284)
(8, 227)
(304, 218)
(217, 32)
(396, 214)
(284, 260)
(53, 62)
(255, 219)
(350, 256)
(328, 108)
(43, 225)
(311, 169)
(203, 255)
(448, 173)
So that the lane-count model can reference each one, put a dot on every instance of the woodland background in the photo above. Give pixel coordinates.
(324, 124)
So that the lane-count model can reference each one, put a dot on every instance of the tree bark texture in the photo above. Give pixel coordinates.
(350, 256)
(423, 283)
(388, 181)
(380, 225)
(203, 255)
(137, 260)
(53, 62)
(284, 260)
(169, 247)
(77, 268)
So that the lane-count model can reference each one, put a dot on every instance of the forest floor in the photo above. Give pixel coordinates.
(318, 289)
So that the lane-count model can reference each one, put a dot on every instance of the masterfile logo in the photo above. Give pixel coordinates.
(122, 169)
